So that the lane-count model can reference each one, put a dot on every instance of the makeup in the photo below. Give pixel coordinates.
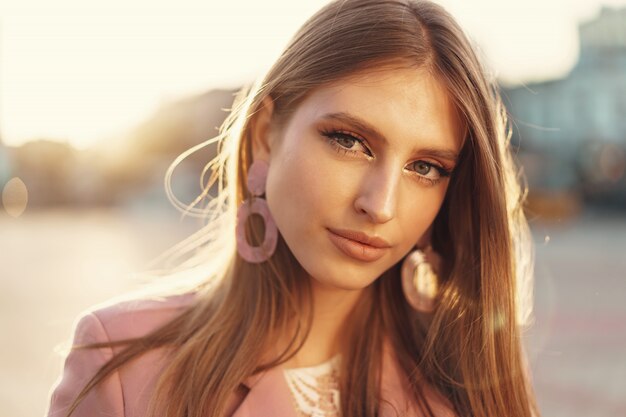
(356, 250)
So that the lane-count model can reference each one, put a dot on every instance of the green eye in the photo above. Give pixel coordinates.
(429, 173)
(422, 167)
(344, 142)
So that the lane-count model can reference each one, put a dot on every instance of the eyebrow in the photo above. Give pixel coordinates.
(369, 130)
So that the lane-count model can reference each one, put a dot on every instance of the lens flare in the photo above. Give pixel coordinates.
(15, 197)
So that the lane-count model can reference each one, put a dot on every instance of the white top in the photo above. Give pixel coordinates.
(315, 389)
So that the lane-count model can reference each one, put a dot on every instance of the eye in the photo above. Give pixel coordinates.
(345, 143)
(422, 167)
(428, 172)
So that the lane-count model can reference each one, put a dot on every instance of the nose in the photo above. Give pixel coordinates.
(379, 194)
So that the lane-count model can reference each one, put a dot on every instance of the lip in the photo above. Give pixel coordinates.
(357, 249)
(361, 237)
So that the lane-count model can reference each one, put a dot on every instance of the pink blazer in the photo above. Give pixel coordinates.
(127, 391)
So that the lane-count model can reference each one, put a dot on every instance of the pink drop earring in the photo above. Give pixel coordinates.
(257, 177)
(419, 279)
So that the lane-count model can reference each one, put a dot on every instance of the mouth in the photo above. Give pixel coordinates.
(357, 249)
(374, 241)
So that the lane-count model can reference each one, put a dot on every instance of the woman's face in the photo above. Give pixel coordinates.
(369, 154)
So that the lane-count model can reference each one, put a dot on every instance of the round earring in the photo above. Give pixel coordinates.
(419, 279)
(257, 177)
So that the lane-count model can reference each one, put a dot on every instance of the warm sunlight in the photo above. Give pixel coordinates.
(117, 183)
(78, 75)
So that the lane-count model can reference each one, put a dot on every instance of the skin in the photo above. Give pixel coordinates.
(378, 189)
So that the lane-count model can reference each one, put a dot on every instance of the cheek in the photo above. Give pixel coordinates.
(295, 188)
(304, 175)
(418, 215)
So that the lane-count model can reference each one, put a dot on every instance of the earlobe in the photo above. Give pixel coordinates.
(260, 130)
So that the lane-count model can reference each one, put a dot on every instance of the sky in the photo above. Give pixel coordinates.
(84, 73)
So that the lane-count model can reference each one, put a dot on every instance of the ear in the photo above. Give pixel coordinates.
(260, 130)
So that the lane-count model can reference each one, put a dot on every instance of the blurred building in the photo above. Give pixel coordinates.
(129, 174)
(577, 124)
(136, 177)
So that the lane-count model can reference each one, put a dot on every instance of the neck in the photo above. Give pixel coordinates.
(331, 315)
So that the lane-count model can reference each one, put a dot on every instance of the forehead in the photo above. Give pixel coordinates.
(403, 104)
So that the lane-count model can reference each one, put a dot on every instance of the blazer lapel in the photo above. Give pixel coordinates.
(392, 389)
(269, 395)
(397, 398)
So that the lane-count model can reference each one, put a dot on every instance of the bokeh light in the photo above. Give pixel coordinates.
(15, 197)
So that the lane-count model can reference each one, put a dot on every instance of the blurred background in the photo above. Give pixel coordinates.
(97, 100)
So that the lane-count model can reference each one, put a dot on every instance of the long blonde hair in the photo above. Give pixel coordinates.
(469, 349)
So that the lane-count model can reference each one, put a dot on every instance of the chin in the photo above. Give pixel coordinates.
(337, 275)
(342, 284)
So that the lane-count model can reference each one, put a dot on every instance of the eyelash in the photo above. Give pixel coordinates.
(332, 136)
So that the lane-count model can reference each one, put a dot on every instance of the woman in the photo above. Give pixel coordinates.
(368, 250)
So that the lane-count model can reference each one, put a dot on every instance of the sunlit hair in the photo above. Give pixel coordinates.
(469, 348)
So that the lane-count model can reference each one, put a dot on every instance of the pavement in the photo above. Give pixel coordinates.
(56, 264)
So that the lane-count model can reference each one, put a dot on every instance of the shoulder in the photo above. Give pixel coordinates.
(127, 318)
(125, 391)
